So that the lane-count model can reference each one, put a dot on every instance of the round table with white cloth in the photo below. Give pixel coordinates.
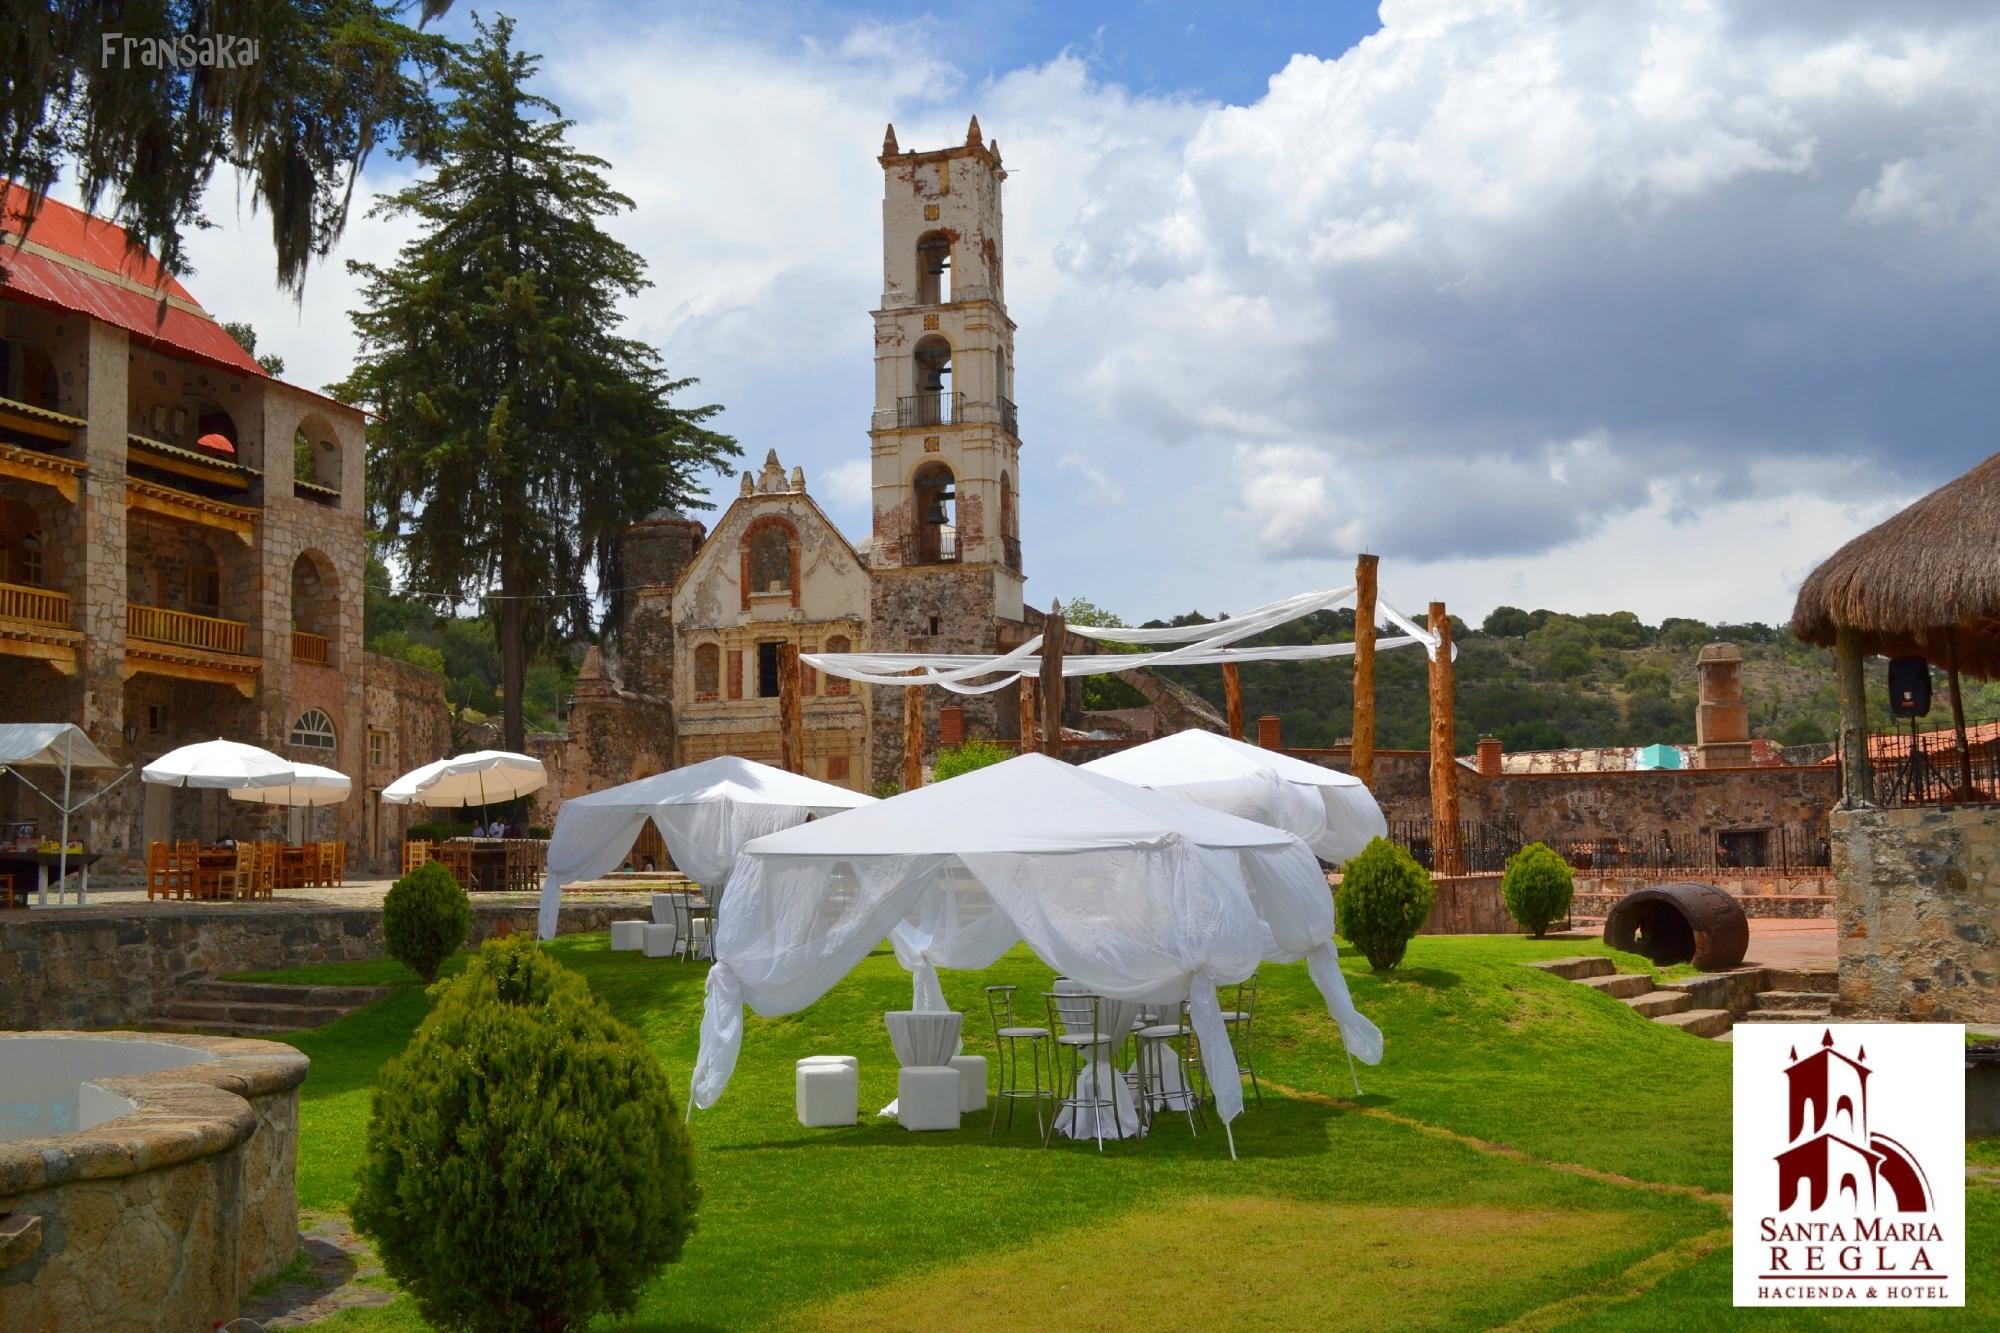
(1114, 1020)
(923, 1037)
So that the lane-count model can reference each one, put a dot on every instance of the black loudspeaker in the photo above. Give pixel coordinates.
(1909, 687)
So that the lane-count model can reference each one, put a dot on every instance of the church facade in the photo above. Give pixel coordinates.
(702, 616)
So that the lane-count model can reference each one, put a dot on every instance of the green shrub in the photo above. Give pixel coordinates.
(1384, 899)
(1538, 887)
(437, 830)
(966, 757)
(424, 919)
(526, 1165)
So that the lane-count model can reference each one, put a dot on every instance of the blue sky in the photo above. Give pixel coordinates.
(1643, 306)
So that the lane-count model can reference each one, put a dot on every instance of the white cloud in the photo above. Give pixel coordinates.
(1099, 488)
(850, 486)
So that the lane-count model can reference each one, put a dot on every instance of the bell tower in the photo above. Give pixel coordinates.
(945, 568)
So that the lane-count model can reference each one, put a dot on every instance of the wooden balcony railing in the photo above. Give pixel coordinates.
(38, 606)
(186, 630)
(314, 648)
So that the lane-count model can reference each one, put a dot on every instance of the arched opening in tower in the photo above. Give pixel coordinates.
(934, 268)
(935, 504)
(936, 402)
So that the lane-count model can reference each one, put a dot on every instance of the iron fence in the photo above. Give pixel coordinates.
(1928, 773)
(1484, 845)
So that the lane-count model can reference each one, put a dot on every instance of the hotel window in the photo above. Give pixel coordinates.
(378, 748)
(767, 669)
(707, 672)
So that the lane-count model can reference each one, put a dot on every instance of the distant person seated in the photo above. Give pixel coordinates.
(479, 830)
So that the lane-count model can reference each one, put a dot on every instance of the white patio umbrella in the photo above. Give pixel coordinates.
(1333, 811)
(310, 785)
(219, 764)
(705, 812)
(479, 778)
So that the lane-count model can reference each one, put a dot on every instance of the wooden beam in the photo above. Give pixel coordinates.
(913, 737)
(1027, 706)
(1362, 758)
(1051, 690)
(1966, 791)
(791, 718)
(60, 656)
(1445, 859)
(1232, 699)
(25, 465)
(1856, 791)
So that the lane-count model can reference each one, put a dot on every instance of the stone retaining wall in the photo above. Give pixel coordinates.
(1919, 913)
(1469, 905)
(163, 1217)
(115, 965)
(1803, 907)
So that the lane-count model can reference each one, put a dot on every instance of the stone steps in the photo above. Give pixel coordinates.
(1577, 969)
(256, 1009)
(1620, 985)
(1699, 1022)
(1793, 1000)
(1660, 1003)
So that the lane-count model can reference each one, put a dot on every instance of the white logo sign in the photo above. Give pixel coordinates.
(1850, 1164)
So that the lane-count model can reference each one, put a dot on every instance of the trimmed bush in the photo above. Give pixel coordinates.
(1384, 899)
(1538, 887)
(965, 758)
(527, 1167)
(425, 917)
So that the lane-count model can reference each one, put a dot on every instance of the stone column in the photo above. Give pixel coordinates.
(1856, 789)
(100, 613)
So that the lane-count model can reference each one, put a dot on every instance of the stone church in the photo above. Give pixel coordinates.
(701, 616)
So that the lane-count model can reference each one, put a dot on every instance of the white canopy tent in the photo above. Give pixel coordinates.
(1137, 895)
(705, 813)
(479, 778)
(61, 745)
(1332, 811)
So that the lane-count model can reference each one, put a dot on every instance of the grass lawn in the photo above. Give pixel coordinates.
(1530, 1153)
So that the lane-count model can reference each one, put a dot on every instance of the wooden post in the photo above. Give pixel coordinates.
(1051, 690)
(1232, 700)
(1027, 705)
(791, 717)
(1361, 759)
(913, 737)
(1444, 763)
(1965, 790)
(1856, 791)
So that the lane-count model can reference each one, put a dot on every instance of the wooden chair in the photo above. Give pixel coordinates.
(241, 878)
(7, 889)
(162, 871)
(269, 855)
(339, 872)
(321, 863)
(457, 858)
(415, 853)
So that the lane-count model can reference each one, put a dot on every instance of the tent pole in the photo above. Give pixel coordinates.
(1444, 762)
(913, 737)
(1051, 684)
(1232, 699)
(62, 853)
(791, 722)
(1351, 1074)
(1027, 707)
(1361, 757)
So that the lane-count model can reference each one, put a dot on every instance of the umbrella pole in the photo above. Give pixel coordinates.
(62, 853)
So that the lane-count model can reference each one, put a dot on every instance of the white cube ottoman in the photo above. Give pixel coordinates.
(659, 941)
(971, 1081)
(628, 936)
(927, 1097)
(828, 1091)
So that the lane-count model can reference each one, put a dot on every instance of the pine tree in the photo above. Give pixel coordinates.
(516, 432)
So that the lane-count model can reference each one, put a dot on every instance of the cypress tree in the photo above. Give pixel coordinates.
(516, 433)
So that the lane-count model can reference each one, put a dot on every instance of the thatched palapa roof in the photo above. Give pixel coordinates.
(1925, 581)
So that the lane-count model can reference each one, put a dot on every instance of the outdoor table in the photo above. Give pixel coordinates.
(924, 1037)
(17, 863)
(1114, 1020)
(292, 865)
(487, 862)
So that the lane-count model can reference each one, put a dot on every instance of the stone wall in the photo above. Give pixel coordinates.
(1919, 913)
(101, 967)
(166, 1216)
(408, 724)
(1469, 905)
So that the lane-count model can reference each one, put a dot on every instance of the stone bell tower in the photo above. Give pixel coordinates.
(945, 448)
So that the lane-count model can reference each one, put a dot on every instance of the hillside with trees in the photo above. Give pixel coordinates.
(1543, 680)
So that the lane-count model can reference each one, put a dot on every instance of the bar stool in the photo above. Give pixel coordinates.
(1008, 1034)
(1077, 1017)
(1239, 1019)
(1156, 1051)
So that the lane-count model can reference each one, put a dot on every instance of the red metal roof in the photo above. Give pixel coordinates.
(74, 261)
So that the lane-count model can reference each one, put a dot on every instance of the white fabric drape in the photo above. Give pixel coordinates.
(705, 813)
(1135, 895)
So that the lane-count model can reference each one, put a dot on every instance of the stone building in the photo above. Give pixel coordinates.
(181, 535)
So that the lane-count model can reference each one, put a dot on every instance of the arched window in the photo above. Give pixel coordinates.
(316, 461)
(839, 643)
(933, 268)
(313, 731)
(707, 672)
(771, 558)
(935, 402)
(1010, 532)
(27, 375)
(315, 608)
(21, 545)
(935, 505)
